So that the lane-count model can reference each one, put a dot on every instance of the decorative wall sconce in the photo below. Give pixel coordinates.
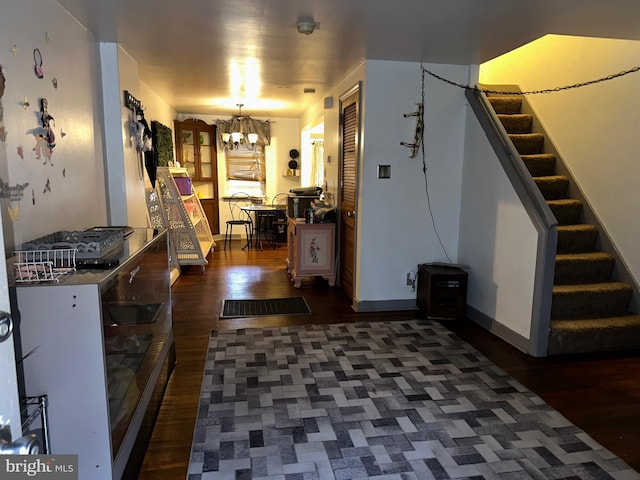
(417, 138)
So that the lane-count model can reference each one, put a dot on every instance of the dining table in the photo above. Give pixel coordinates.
(263, 216)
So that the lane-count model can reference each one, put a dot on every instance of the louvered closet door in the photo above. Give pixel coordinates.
(350, 137)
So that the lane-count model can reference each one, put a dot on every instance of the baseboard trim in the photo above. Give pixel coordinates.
(505, 333)
(219, 237)
(384, 305)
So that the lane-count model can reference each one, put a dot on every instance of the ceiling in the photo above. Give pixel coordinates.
(188, 51)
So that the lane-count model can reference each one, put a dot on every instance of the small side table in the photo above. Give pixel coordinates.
(442, 292)
(311, 250)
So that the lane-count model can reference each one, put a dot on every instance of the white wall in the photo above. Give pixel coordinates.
(135, 176)
(126, 176)
(594, 128)
(497, 239)
(396, 230)
(156, 108)
(76, 176)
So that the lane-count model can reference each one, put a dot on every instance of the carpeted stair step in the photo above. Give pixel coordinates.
(540, 164)
(594, 335)
(589, 313)
(516, 123)
(528, 143)
(568, 211)
(581, 268)
(505, 105)
(610, 299)
(577, 238)
(553, 187)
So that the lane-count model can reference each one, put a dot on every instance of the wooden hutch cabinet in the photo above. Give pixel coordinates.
(196, 149)
(210, 207)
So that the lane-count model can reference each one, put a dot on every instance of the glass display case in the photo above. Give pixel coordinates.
(99, 343)
(196, 148)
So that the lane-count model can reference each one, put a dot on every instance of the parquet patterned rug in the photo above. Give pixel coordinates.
(385, 400)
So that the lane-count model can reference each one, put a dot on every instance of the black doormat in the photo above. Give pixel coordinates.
(267, 306)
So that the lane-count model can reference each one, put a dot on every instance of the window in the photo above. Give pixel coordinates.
(246, 171)
(317, 164)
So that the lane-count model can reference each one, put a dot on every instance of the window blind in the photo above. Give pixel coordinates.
(245, 164)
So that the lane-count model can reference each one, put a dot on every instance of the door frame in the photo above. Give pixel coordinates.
(354, 90)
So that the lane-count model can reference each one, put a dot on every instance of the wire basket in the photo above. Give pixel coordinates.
(88, 244)
(44, 265)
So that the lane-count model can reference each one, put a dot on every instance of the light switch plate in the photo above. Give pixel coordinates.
(384, 171)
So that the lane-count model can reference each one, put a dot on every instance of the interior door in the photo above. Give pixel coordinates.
(350, 140)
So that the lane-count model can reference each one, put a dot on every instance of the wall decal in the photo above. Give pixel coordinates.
(45, 136)
(14, 213)
(37, 60)
(48, 123)
(40, 147)
(14, 193)
(47, 186)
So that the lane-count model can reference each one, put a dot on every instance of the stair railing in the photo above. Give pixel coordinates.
(539, 212)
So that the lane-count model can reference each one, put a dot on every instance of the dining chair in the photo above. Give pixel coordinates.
(239, 218)
(280, 222)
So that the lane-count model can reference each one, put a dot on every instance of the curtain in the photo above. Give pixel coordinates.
(317, 163)
(245, 125)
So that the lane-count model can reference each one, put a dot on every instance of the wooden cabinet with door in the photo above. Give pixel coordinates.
(210, 207)
(196, 149)
(311, 251)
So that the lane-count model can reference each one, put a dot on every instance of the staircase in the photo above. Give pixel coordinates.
(589, 309)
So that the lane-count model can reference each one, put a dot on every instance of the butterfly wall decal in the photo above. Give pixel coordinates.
(14, 213)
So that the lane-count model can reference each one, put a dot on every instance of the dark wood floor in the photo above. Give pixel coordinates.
(599, 394)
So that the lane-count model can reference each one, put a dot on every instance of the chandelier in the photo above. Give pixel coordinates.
(232, 140)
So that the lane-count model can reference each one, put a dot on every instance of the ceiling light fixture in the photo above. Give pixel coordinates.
(234, 139)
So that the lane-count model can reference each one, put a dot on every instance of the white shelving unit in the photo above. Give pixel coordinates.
(189, 229)
(158, 220)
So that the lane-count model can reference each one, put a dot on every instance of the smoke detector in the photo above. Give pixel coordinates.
(306, 27)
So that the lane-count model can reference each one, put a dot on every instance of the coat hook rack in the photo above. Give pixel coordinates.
(417, 139)
(132, 103)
